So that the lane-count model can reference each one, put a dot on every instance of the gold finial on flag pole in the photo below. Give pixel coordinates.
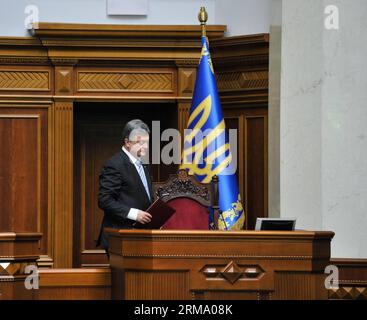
(203, 18)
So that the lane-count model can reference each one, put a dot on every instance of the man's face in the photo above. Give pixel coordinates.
(139, 146)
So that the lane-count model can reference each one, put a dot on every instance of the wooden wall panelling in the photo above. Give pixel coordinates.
(168, 118)
(299, 286)
(128, 43)
(235, 122)
(25, 171)
(256, 144)
(47, 261)
(186, 82)
(252, 159)
(241, 66)
(74, 284)
(22, 51)
(158, 285)
(18, 251)
(120, 64)
(21, 170)
(64, 162)
(183, 118)
(63, 179)
(96, 143)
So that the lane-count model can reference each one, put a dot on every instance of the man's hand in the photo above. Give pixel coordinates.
(143, 217)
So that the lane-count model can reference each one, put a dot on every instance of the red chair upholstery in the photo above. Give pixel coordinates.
(189, 214)
(190, 198)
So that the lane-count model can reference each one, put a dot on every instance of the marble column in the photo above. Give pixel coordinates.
(274, 109)
(322, 122)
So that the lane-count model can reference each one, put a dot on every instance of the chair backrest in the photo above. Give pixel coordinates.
(191, 199)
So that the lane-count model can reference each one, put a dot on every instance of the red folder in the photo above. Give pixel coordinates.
(160, 212)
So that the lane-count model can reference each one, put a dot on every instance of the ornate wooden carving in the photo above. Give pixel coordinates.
(232, 272)
(64, 80)
(24, 60)
(12, 269)
(352, 281)
(242, 80)
(349, 290)
(64, 61)
(186, 81)
(25, 80)
(187, 63)
(125, 81)
(183, 185)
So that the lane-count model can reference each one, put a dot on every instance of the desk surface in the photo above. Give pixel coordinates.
(297, 234)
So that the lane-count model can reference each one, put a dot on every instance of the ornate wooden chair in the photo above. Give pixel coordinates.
(191, 199)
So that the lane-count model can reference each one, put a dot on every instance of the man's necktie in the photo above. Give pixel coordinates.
(143, 177)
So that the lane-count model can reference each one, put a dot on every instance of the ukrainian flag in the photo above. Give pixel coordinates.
(206, 146)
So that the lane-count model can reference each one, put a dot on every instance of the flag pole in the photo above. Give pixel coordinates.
(203, 18)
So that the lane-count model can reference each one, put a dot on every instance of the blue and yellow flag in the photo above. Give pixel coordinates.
(206, 146)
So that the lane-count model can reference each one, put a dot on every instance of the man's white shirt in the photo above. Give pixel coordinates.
(133, 213)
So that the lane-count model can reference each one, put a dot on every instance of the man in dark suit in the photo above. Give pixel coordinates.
(125, 186)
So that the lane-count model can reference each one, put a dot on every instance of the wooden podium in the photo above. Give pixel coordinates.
(155, 264)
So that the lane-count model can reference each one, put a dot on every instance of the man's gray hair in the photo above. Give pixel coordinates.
(134, 128)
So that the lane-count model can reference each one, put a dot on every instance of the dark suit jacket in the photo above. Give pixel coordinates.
(120, 189)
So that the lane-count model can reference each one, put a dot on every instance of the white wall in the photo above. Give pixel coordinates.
(242, 17)
(94, 11)
(323, 122)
